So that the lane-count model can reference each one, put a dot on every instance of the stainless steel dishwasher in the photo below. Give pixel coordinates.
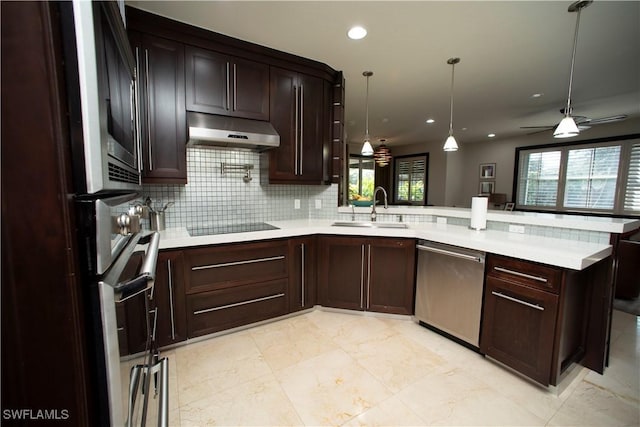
(449, 285)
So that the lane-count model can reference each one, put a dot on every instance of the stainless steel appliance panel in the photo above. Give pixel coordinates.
(449, 286)
(107, 116)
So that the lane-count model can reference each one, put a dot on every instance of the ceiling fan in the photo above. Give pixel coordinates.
(582, 122)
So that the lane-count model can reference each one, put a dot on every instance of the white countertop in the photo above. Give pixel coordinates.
(575, 255)
(578, 222)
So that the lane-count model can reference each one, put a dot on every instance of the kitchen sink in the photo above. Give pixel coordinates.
(369, 224)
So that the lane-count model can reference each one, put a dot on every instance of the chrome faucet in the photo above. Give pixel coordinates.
(373, 208)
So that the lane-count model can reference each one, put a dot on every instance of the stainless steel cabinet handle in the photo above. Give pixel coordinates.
(170, 283)
(302, 283)
(137, 112)
(301, 125)
(222, 307)
(146, 79)
(228, 264)
(228, 86)
(235, 88)
(361, 276)
(155, 323)
(295, 138)
(501, 295)
(368, 276)
(517, 273)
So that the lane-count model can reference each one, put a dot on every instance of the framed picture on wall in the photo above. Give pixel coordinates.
(486, 187)
(488, 171)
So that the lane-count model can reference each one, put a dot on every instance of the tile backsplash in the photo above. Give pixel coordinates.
(211, 197)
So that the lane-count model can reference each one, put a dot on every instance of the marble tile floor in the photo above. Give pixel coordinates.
(326, 368)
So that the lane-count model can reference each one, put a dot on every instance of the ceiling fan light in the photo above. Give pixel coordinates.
(367, 149)
(450, 144)
(567, 128)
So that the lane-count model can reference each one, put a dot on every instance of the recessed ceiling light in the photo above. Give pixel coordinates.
(430, 121)
(491, 135)
(537, 95)
(357, 33)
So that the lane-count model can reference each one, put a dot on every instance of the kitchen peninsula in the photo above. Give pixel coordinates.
(288, 272)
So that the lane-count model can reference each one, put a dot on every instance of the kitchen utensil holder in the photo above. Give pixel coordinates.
(157, 220)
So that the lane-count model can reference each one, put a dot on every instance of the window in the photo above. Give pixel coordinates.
(361, 176)
(598, 177)
(539, 179)
(411, 180)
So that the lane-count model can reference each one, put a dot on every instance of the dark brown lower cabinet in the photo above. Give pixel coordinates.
(169, 298)
(373, 274)
(236, 284)
(165, 308)
(228, 308)
(302, 273)
(536, 317)
(519, 327)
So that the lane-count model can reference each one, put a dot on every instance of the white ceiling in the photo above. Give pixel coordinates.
(509, 50)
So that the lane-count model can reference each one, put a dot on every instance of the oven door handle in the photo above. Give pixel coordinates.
(147, 274)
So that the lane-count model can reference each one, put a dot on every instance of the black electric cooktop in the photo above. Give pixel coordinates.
(229, 228)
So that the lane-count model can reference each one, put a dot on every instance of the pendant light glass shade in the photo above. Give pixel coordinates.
(450, 144)
(567, 127)
(367, 149)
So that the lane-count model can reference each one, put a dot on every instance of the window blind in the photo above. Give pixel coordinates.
(538, 178)
(591, 177)
(632, 191)
(410, 179)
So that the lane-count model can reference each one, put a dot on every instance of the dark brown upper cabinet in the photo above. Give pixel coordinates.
(226, 85)
(161, 102)
(300, 114)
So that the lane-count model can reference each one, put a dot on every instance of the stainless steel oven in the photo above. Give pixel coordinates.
(120, 265)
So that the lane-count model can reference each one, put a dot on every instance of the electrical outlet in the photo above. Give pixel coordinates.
(296, 203)
(318, 204)
(513, 228)
(441, 220)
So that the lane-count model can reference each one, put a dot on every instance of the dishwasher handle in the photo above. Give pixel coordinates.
(476, 257)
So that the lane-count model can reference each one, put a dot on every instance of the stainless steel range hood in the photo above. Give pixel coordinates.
(230, 132)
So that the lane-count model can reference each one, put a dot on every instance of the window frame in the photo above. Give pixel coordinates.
(625, 142)
(425, 157)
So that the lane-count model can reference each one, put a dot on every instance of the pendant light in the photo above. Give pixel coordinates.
(382, 155)
(367, 149)
(451, 144)
(567, 126)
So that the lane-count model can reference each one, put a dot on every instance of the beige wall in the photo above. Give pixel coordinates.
(454, 177)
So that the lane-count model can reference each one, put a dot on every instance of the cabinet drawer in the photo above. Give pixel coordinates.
(518, 327)
(215, 311)
(526, 273)
(225, 266)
